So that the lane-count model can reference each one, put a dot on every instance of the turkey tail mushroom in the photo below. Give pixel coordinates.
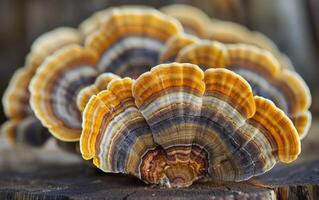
(177, 124)
(263, 72)
(95, 21)
(55, 86)
(22, 126)
(197, 23)
(130, 41)
(100, 84)
(194, 20)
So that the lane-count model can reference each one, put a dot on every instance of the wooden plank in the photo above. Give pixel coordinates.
(81, 182)
(299, 181)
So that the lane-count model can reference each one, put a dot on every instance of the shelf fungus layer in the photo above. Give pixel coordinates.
(55, 87)
(22, 126)
(100, 84)
(97, 20)
(233, 33)
(27, 131)
(263, 72)
(49, 42)
(130, 41)
(196, 22)
(174, 45)
(176, 124)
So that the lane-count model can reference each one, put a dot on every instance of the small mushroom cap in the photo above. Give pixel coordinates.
(15, 99)
(26, 131)
(55, 86)
(174, 45)
(94, 22)
(176, 124)
(100, 84)
(193, 19)
(130, 41)
(261, 69)
(233, 33)
(196, 22)
(302, 122)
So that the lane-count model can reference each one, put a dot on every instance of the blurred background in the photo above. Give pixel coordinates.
(292, 24)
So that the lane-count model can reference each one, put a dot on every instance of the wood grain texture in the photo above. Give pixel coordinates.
(80, 182)
(299, 181)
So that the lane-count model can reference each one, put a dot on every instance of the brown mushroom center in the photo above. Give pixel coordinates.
(177, 166)
(182, 175)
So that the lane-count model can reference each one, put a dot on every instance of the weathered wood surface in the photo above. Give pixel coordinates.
(299, 181)
(53, 174)
(80, 182)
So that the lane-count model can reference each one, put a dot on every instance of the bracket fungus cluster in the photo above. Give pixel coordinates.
(263, 72)
(142, 97)
(22, 126)
(198, 23)
(176, 124)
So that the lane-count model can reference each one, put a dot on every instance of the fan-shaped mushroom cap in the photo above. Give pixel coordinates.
(94, 22)
(174, 45)
(55, 86)
(233, 33)
(15, 100)
(100, 84)
(193, 19)
(177, 124)
(16, 97)
(284, 87)
(25, 131)
(49, 42)
(130, 41)
(198, 23)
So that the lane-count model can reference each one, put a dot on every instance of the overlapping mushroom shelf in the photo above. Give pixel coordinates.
(224, 111)
(176, 124)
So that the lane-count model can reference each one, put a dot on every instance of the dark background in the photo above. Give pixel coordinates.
(292, 24)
